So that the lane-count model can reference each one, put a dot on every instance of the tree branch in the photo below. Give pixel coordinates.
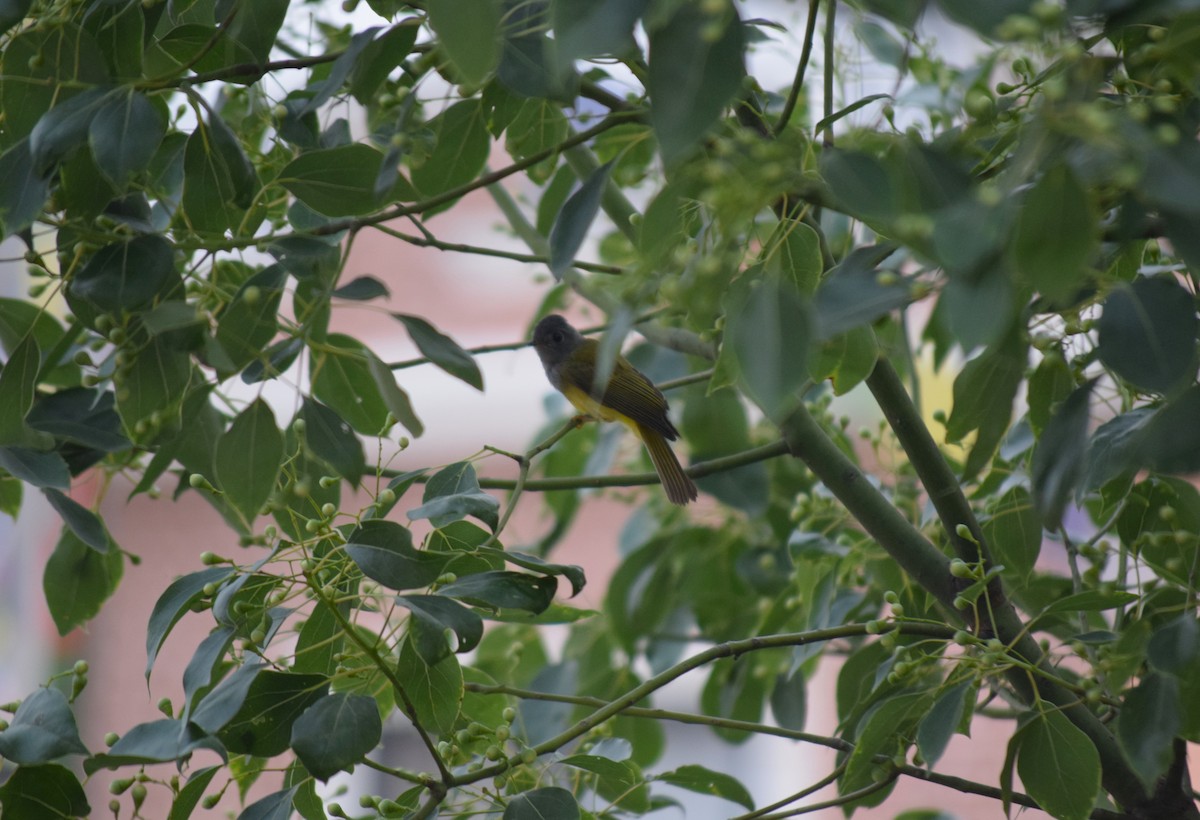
(801, 68)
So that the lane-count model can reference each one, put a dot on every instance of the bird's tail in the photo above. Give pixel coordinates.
(680, 489)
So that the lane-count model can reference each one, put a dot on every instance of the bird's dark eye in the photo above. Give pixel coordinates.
(558, 337)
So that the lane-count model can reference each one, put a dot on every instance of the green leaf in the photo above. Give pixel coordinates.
(441, 626)
(80, 416)
(175, 601)
(219, 706)
(705, 781)
(460, 152)
(859, 184)
(500, 589)
(257, 25)
(43, 729)
(1092, 600)
(734, 690)
(1056, 234)
(855, 293)
(1174, 648)
(18, 381)
(942, 721)
(394, 397)
(384, 552)
(330, 439)
(692, 75)
(10, 496)
(468, 31)
(64, 128)
(882, 732)
(344, 380)
(1147, 334)
(574, 220)
(158, 741)
(247, 458)
(320, 639)
(1112, 450)
(1014, 532)
(978, 310)
(442, 350)
(124, 136)
(78, 580)
(263, 725)
(24, 190)
(189, 796)
(550, 803)
(249, 321)
(616, 780)
(362, 289)
(1058, 460)
(1148, 724)
(275, 806)
(337, 181)
(39, 792)
(210, 193)
(13, 12)
(335, 733)
(84, 523)
(453, 493)
(794, 251)
(983, 397)
(381, 56)
(573, 573)
(435, 691)
(1170, 440)
(770, 337)
(1059, 765)
(587, 28)
(716, 426)
(1051, 383)
(39, 469)
(127, 276)
(789, 700)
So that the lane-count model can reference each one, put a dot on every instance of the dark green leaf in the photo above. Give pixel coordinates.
(574, 220)
(189, 796)
(693, 75)
(983, 395)
(275, 360)
(573, 574)
(175, 601)
(275, 806)
(42, 729)
(210, 194)
(1059, 765)
(64, 128)
(435, 690)
(335, 733)
(41, 792)
(1147, 333)
(394, 397)
(789, 700)
(263, 725)
(362, 289)
(854, 293)
(336, 181)
(344, 380)
(320, 639)
(442, 350)
(13, 12)
(1170, 440)
(256, 26)
(78, 580)
(882, 732)
(859, 184)
(550, 803)
(1014, 532)
(18, 381)
(615, 779)
(501, 590)
(1058, 460)
(453, 493)
(247, 458)
(341, 69)
(124, 136)
(1175, 647)
(158, 741)
(39, 469)
(1056, 234)
(1092, 600)
(331, 440)
(937, 727)
(583, 28)
(219, 706)
(382, 55)
(705, 781)
(24, 191)
(81, 416)
(127, 276)
(384, 551)
(441, 626)
(84, 523)
(249, 320)
(460, 152)
(468, 31)
(770, 337)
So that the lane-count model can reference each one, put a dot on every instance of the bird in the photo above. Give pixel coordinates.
(630, 398)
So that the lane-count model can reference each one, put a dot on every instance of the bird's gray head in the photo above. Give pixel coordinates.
(555, 340)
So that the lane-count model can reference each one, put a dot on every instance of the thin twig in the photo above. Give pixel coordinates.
(798, 83)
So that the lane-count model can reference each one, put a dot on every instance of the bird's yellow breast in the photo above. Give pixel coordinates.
(584, 403)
